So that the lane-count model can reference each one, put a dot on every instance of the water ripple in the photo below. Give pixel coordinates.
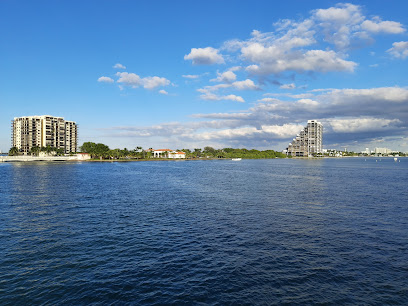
(258, 232)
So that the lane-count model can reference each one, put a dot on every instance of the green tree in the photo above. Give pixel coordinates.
(60, 151)
(13, 151)
(141, 152)
(101, 150)
(197, 152)
(115, 153)
(88, 147)
(35, 151)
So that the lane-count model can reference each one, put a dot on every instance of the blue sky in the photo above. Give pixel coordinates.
(187, 74)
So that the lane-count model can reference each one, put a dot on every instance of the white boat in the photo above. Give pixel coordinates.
(236, 159)
(395, 159)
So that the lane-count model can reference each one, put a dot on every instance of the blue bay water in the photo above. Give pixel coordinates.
(281, 231)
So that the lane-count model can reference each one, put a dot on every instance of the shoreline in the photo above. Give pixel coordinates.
(30, 159)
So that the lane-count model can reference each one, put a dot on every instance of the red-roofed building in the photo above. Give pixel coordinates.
(161, 153)
(167, 153)
(177, 154)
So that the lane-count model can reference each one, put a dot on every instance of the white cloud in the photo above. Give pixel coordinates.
(225, 77)
(245, 85)
(214, 97)
(204, 56)
(384, 94)
(288, 86)
(341, 14)
(130, 79)
(294, 46)
(213, 88)
(378, 26)
(338, 23)
(163, 92)
(354, 125)
(308, 102)
(119, 66)
(133, 80)
(208, 91)
(190, 76)
(105, 79)
(399, 49)
(233, 98)
(269, 100)
(313, 60)
(154, 82)
(265, 131)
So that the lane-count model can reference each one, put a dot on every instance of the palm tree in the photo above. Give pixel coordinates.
(13, 151)
(35, 150)
(140, 149)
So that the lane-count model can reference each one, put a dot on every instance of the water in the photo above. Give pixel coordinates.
(332, 231)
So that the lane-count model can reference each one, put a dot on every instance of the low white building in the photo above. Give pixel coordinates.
(167, 153)
(177, 154)
(161, 153)
(83, 156)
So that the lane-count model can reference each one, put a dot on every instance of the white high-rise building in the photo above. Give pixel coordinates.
(382, 151)
(309, 141)
(43, 131)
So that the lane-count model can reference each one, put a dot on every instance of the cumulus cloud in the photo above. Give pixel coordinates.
(134, 80)
(399, 49)
(273, 61)
(154, 82)
(214, 97)
(238, 85)
(368, 124)
(225, 77)
(204, 56)
(342, 13)
(268, 100)
(104, 79)
(265, 132)
(378, 26)
(190, 76)
(163, 92)
(245, 85)
(339, 23)
(318, 43)
(119, 66)
(308, 102)
(288, 86)
(130, 79)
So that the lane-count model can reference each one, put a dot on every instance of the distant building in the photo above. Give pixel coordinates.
(161, 153)
(382, 151)
(43, 131)
(176, 154)
(309, 141)
(167, 153)
(83, 156)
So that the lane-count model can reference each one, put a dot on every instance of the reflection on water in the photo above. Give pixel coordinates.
(256, 232)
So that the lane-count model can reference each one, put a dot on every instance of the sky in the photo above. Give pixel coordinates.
(189, 74)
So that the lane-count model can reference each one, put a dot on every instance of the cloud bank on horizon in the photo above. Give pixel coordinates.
(274, 72)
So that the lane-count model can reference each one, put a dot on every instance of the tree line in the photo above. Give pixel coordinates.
(35, 151)
(102, 151)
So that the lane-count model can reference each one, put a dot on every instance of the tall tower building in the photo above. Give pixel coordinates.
(309, 141)
(43, 131)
